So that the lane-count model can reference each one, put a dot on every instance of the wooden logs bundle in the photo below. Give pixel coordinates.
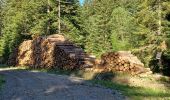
(34, 52)
(67, 57)
(53, 51)
(123, 61)
(25, 54)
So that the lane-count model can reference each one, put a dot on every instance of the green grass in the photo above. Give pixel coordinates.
(133, 93)
(136, 93)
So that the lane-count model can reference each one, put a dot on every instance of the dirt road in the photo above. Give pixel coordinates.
(26, 85)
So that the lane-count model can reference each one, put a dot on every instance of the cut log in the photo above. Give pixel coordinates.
(54, 51)
(123, 61)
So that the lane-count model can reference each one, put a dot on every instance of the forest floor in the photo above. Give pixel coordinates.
(142, 87)
(36, 85)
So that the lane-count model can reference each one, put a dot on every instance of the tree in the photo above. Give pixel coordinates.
(122, 28)
(1, 16)
(25, 18)
(96, 26)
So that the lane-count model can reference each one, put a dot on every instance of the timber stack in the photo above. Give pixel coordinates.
(123, 61)
(54, 51)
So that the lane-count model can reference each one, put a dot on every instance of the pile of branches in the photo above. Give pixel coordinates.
(123, 61)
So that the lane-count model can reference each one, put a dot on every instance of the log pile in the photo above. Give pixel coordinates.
(25, 54)
(54, 51)
(123, 61)
(68, 56)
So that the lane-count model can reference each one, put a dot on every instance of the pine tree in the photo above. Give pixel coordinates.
(100, 25)
(97, 27)
(1, 16)
(123, 27)
(25, 18)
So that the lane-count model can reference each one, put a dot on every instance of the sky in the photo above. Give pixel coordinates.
(81, 1)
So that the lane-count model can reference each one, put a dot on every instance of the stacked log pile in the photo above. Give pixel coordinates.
(25, 54)
(123, 61)
(54, 51)
(67, 57)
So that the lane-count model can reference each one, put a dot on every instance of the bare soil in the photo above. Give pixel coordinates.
(27, 85)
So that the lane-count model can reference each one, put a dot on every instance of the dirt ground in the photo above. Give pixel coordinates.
(26, 85)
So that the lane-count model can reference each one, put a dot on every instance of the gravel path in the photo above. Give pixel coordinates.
(26, 85)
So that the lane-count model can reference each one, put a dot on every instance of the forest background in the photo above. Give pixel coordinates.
(98, 26)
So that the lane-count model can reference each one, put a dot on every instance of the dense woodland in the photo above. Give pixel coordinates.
(98, 26)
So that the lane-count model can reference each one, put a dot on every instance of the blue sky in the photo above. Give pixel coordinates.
(81, 1)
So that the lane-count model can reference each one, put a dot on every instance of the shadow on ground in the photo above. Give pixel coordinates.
(107, 80)
(35, 85)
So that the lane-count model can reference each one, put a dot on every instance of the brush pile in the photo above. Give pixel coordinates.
(123, 61)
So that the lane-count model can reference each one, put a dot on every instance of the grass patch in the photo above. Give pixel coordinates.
(135, 93)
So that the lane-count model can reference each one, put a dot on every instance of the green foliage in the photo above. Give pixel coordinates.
(25, 18)
(111, 25)
(166, 59)
(126, 25)
(98, 26)
(122, 28)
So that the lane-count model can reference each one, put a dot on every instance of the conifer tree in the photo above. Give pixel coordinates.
(25, 18)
